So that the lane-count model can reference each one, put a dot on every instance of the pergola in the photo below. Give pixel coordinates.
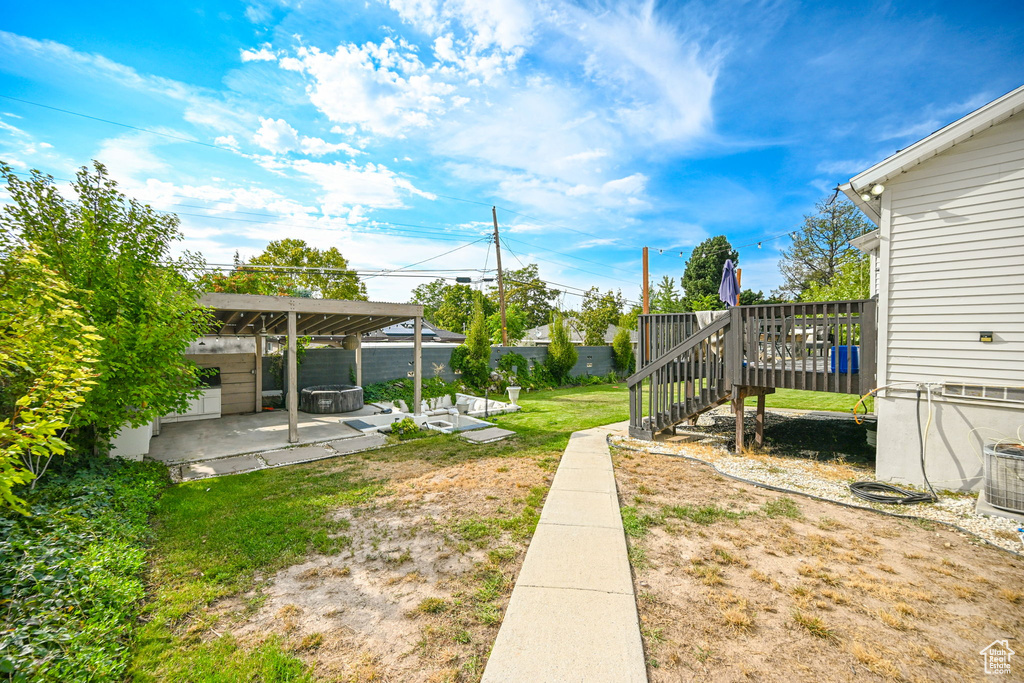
(257, 316)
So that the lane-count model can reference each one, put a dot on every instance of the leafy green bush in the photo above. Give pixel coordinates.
(562, 355)
(622, 346)
(405, 427)
(71, 575)
(402, 389)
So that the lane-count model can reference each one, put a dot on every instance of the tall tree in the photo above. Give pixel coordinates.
(325, 273)
(597, 313)
(525, 289)
(851, 281)
(243, 280)
(450, 306)
(430, 295)
(515, 325)
(666, 299)
(820, 247)
(703, 274)
(115, 253)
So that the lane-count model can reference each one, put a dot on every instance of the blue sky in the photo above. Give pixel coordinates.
(388, 129)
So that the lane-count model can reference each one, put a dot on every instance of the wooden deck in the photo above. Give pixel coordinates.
(685, 368)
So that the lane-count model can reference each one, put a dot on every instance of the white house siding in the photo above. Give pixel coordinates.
(953, 266)
(956, 263)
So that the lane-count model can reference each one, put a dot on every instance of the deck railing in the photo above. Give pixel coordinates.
(815, 346)
(658, 333)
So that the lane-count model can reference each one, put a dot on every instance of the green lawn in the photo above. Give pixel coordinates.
(213, 536)
(811, 400)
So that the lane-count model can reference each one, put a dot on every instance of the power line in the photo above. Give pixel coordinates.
(115, 123)
(560, 253)
(436, 257)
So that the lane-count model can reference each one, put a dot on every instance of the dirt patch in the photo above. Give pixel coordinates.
(418, 590)
(738, 582)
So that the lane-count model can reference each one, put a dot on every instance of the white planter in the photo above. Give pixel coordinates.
(513, 395)
(131, 443)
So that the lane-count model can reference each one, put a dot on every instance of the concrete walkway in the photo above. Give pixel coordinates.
(572, 616)
(286, 456)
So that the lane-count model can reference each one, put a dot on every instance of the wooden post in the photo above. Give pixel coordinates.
(259, 372)
(646, 288)
(739, 287)
(759, 423)
(293, 381)
(737, 407)
(417, 391)
(501, 279)
(359, 360)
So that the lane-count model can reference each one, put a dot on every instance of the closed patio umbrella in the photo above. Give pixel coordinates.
(729, 290)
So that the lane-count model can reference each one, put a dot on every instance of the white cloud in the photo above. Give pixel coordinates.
(226, 141)
(347, 184)
(23, 55)
(262, 55)
(278, 137)
(663, 80)
(130, 156)
(383, 88)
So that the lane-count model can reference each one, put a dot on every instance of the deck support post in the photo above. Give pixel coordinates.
(359, 360)
(259, 373)
(417, 344)
(759, 421)
(738, 395)
(293, 382)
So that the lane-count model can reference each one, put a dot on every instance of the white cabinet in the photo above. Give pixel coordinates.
(206, 407)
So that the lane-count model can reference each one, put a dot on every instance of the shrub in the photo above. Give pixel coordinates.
(72, 574)
(403, 389)
(45, 365)
(562, 355)
(405, 427)
(473, 359)
(622, 346)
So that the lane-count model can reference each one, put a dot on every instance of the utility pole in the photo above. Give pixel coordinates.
(501, 280)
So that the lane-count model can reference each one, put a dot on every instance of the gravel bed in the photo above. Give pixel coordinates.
(831, 480)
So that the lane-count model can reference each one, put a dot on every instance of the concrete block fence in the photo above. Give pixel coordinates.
(382, 363)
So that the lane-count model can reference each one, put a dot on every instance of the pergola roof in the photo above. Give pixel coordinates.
(251, 314)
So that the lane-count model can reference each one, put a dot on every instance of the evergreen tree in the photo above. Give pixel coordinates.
(562, 354)
(665, 298)
(703, 274)
(820, 247)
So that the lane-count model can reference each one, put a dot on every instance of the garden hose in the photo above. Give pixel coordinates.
(879, 492)
(887, 494)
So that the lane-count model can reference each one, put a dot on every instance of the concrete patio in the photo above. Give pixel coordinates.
(201, 440)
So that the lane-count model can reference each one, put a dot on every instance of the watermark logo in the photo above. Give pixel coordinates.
(997, 657)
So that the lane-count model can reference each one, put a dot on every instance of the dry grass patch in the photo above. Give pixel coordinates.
(814, 625)
(820, 591)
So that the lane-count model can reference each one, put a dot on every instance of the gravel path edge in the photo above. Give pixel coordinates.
(780, 489)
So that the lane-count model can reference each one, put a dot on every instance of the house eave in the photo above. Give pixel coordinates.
(868, 242)
(869, 209)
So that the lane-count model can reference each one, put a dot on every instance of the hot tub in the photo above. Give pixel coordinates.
(331, 398)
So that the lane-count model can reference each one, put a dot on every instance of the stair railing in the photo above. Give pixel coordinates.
(682, 381)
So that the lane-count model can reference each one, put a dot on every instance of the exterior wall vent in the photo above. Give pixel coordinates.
(984, 392)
